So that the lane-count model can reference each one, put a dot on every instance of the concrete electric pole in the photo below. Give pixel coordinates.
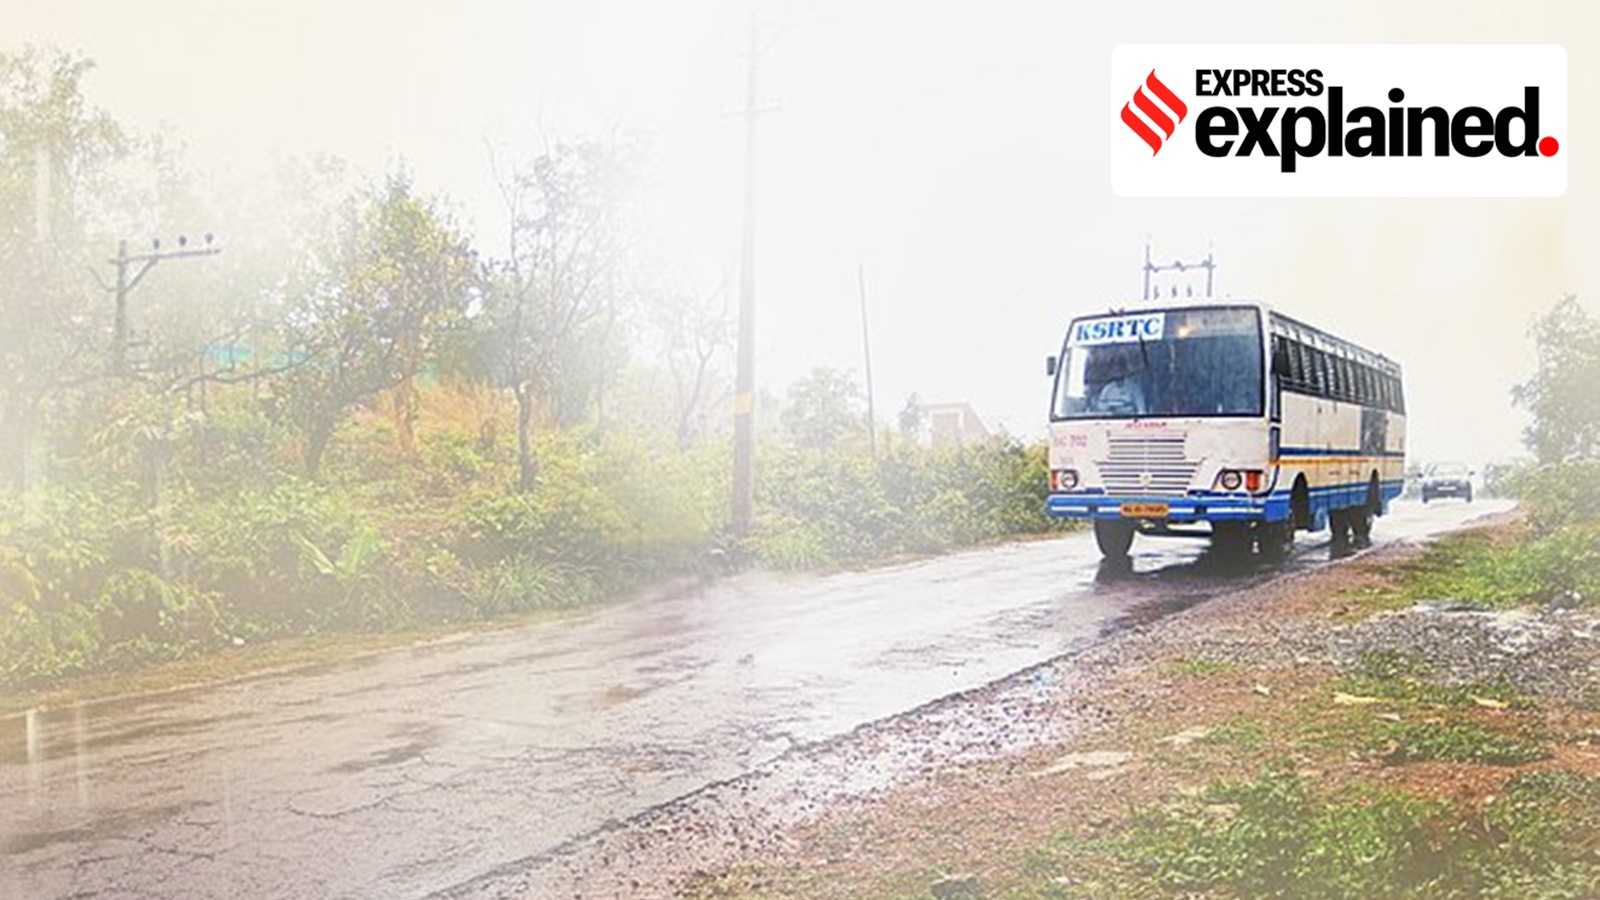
(131, 270)
(744, 400)
(866, 355)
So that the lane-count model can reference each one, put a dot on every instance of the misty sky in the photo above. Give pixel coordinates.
(960, 153)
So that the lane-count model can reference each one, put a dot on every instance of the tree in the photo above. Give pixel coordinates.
(1564, 393)
(54, 151)
(911, 416)
(559, 284)
(367, 310)
(822, 407)
(694, 335)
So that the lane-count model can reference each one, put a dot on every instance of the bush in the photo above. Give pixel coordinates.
(521, 585)
(1558, 495)
(840, 506)
(37, 645)
(251, 548)
(143, 617)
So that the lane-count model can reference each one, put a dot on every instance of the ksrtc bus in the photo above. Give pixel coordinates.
(1168, 419)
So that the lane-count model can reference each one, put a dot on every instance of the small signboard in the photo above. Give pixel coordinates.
(1119, 329)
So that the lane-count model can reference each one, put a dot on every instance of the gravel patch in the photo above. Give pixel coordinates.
(1552, 653)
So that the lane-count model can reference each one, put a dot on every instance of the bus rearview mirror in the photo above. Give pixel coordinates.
(1050, 365)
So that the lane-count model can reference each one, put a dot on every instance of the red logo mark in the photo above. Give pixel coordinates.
(1160, 118)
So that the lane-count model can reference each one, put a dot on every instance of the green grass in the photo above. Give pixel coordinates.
(1503, 573)
(1200, 667)
(1277, 835)
(1452, 741)
(1242, 733)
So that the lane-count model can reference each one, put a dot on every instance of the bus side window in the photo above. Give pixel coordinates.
(1300, 368)
(1319, 372)
(1280, 372)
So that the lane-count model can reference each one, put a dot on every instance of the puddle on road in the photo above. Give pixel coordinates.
(51, 733)
(405, 742)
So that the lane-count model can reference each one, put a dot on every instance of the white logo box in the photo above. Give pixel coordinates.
(1452, 77)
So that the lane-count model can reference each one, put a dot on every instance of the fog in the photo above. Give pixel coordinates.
(958, 154)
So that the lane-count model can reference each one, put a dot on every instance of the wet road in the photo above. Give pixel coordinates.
(406, 774)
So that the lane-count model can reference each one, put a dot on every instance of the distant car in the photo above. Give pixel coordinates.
(1447, 480)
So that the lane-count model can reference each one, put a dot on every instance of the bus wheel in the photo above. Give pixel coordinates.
(1339, 527)
(1300, 504)
(1274, 540)
(1361, 525)
(1230, 539)
(1361, 517)
(1114, 536)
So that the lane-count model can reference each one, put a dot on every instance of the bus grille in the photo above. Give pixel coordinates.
(1147, 465)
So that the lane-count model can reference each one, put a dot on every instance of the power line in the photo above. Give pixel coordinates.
(1209, 264)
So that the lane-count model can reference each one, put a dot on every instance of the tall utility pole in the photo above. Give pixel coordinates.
(866, 354)
(126, 282)
(744, 400)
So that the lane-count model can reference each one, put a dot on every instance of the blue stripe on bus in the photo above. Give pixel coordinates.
(1317, 451)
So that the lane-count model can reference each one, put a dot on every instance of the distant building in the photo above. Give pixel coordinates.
(952, 424)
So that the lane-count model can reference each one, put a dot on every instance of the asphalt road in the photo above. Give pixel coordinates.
(411, 773)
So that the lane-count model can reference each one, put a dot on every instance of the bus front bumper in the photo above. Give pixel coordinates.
(1178, 509)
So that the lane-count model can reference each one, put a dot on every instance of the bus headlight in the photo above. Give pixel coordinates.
(1063, 479)
(1233, 479)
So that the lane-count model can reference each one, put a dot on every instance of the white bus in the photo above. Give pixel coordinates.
(1168, 419)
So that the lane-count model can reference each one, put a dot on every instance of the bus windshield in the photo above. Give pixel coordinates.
(1184, 362)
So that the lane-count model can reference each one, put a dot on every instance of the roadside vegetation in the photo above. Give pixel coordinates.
(356, 418)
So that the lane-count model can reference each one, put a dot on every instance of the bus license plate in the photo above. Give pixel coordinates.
(1144, 510)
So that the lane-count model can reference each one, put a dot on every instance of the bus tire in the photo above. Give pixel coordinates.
(1114, 537)
(1274, 540)
(1230, 539)
(1300, 504)
(1339, 530)
(1361, 516)
(1360, 525)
